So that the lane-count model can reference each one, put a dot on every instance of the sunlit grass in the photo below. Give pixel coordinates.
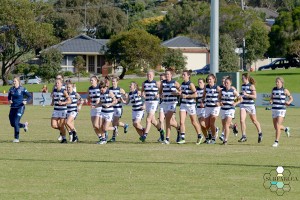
(41, 168)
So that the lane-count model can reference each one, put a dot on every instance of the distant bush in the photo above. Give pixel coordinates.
(68, 74)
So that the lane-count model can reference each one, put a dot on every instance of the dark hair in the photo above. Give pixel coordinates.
(228, 78)
(187, 71)
(213, 76)
(201, 79)
(169, 70)
(95, 77)
(115, 77)
(248, 77)
(102, 84)
(162, 74)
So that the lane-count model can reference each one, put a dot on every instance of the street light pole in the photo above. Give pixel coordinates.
(244, 57)
(214, 36)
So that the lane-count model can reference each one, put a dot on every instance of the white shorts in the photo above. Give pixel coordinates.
(189, 108)
(249, 109)
(62, 114)
(72, 114)
(107, 116)
(169, 107)
(278, 113)
(151, 106)
(96, 112)
(137, 115)
(118, 112)
(161, 107)
(227, 113)
(200, 112)
(215, 111)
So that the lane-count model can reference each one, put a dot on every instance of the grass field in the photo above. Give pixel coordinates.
(265, 81)
(41, 168)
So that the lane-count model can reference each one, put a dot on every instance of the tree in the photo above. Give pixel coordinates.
(25, 68)
(79, 64)
(257, 42)
(110, 21)
(51, 63)
(22, 31)
(180, 19)
(227, 55)
(135, 49)
(294, 49)
(174, 58)
(284, 32)
(66, 25)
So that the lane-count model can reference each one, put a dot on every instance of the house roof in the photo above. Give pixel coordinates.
(81, 44)
(183, 42)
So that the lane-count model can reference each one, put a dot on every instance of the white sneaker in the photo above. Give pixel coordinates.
(275, 144)
(166, 142)
(199, 140)
(16, 141)
(59, 138)
(71, 138)
(26, 126)
(287, 131)
(102, 142)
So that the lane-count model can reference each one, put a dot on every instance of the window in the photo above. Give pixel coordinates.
(64, 60)
(71, 59)
(91, 64)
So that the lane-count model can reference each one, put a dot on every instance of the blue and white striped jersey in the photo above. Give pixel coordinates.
(116, 91)
(227, 98)
(279, 99)
(58, 95)
(211, 98)
(247, 101)
(136, 101)
(151, 90)
(169, 87)
(106, 99)
(94, 94)
(185, 89)
(73, 106)
(199, 98)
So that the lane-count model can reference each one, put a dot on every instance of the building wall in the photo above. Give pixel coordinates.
(195, 60)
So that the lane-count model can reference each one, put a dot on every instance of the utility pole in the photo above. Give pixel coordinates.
(244, 56)
(214, 36)
(244, 42)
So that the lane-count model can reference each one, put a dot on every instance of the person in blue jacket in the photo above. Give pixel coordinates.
(17, 102)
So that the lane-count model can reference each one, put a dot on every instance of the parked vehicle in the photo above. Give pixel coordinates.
(29, 80)
(281, 63)
(204, 70)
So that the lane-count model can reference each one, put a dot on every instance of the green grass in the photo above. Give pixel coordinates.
(265, 81)
(41, 168)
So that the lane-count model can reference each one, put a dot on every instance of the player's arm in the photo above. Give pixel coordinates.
(288, 94)
(253, 93)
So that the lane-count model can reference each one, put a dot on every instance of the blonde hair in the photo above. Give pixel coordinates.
(18, 79)
(280, 79)
(136, 85)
